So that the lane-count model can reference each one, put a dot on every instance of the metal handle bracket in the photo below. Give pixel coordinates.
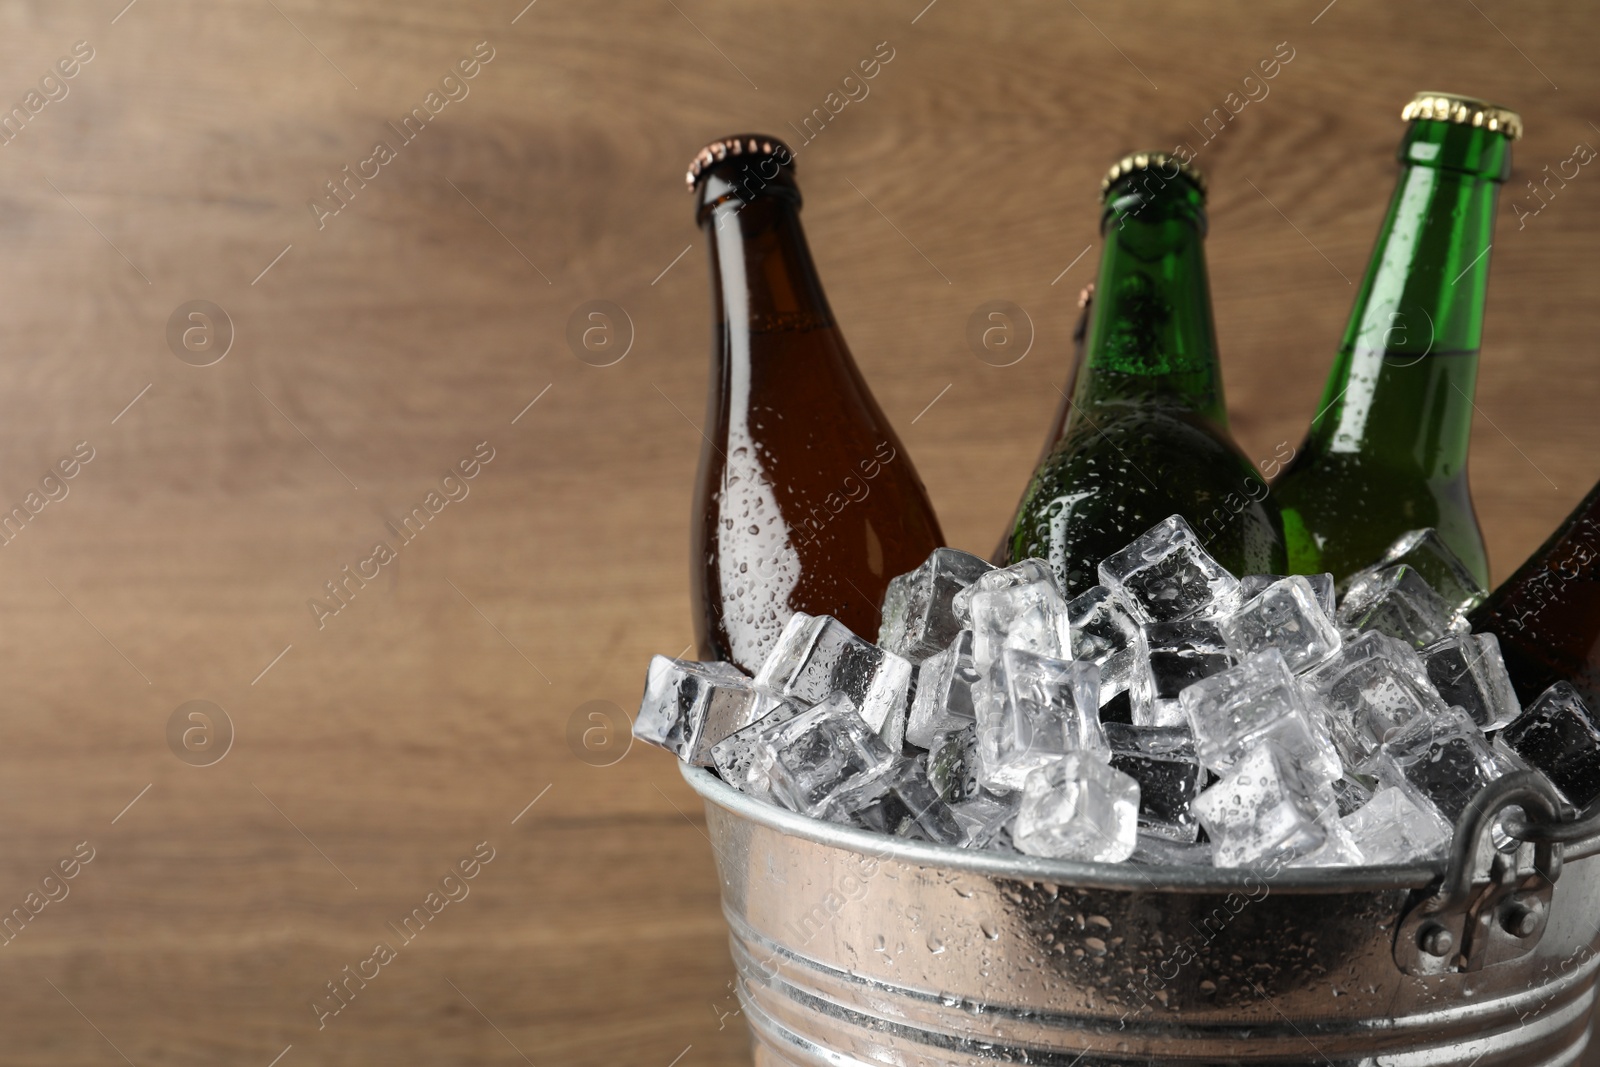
(1491, 906)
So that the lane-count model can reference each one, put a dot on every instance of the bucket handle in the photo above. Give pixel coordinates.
(1580, 835)
(1490, 907)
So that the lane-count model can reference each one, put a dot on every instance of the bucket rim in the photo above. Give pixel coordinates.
(1118, 876)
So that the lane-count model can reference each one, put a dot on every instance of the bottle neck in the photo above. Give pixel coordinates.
(763, 280)
(1403, 384)
(1151, 339)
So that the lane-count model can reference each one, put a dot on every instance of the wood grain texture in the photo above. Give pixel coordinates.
(423, 317)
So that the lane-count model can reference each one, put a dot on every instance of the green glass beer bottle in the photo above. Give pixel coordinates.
(1387, 451)
(1147, 432)
(1058, 424)
(806, 500)
(1547, 614)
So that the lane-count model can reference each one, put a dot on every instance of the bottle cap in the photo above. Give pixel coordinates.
(1464, 110)
(1169, 166)
(748, 146)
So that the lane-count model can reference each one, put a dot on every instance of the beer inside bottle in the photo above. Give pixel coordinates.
(1387, 450)
(806, 499)
(1547, 614)
(1146, 435)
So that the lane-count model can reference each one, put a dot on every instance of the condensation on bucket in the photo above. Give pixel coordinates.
(856, 949)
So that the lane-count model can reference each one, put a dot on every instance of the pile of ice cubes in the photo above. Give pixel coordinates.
(1172, 714)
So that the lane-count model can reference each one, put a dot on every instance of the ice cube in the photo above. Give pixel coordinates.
(1338, 848)
(1321, 584)
(953, 764)
(1285, 616)
(1104, 634)
(984, 817)
(1259, 701)
(740, 757)
(688, 707)
(1427, 554)
(1372, 687)
(1170, 657)
(911, 808)
(1398, 826)
(943, 700)
(1162, 760)
(1559, 735)
(1398, 602)
(1023, 572)
(918, 619)
(1029, 615)
(817, 655)
(1078, 808)
(828, 757)
(1468, 672)
(1161, 852)
(1261, 809)
(1351, 791)
(1165, 575)
(1042, 709)
(1444, 757)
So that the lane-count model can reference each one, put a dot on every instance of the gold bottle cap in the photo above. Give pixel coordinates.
(1167, 164)
(1465, 110)
(752, 146)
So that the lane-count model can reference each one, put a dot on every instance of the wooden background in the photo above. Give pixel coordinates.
(373, 752)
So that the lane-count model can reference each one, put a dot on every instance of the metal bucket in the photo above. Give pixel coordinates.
(857, 949)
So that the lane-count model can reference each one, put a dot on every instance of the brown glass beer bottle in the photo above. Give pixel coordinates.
(1547, 614)
(806, 499)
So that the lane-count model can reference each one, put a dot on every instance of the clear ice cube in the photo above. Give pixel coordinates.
(1028, 615)
(828, 757)
(1321, 584)
(1287, 616)
(953, 764)
(1351, 791)
(1469, 673)
(1170, 657)
(918, 619)
(1104, 634)
(1078, 808)
(943, 700)
(1397, 826)
(1396, 601)
(1023, 572)
(1373, 686)
(1444, 757)
(1427, 554)
(911, 808)
(983, 818)
(1261, 809)
(1165, 575)
(1338, 849)
(1257, 702)
(1162, 852)
(688, 707)
(817, 655)
(1559, 735)
(1042, 709)
(1162, 760)
(740, 758)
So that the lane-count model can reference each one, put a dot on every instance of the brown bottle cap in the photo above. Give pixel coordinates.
(1160, 161)
(748, 146)
(1463, 110)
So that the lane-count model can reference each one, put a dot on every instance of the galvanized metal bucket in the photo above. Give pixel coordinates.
(854, 949)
